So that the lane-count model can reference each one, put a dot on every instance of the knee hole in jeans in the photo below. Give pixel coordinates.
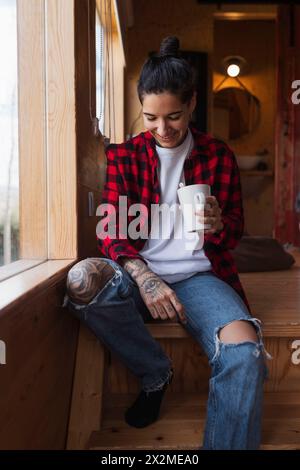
(238, 331)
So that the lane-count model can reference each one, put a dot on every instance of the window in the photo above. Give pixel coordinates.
(100, 72)
(37, 125)
(110, 62)
(9, 174)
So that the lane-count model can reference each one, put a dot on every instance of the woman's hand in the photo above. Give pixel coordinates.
(160, 299)
(211, 216)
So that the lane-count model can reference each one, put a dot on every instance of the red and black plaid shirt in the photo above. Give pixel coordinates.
(131, 172)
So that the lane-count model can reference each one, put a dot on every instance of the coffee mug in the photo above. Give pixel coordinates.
(193, 198)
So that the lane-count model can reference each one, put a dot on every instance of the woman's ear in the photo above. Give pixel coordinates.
(193, 102)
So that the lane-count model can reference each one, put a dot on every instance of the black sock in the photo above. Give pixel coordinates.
(145, 409)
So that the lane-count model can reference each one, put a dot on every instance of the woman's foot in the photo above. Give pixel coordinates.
(145, 409)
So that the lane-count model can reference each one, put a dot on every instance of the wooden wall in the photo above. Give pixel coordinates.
(91, 159)
(36, 381)
(287, 183)
(255, 41)
(90, 150)
(154, 20)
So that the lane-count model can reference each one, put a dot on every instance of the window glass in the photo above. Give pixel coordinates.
(100, 72)
(9, 168)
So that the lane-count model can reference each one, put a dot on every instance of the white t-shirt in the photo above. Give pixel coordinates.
(175, 255)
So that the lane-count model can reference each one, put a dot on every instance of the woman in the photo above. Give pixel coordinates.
(145, 279)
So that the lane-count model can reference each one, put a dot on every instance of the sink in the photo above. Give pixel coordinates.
(248, 162)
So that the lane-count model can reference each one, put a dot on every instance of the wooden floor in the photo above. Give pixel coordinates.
(182, 422)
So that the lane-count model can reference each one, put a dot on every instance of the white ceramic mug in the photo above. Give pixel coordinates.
(193, 198)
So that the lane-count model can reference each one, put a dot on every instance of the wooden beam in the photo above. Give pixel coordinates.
(61, 132)
(86, 404)
(32, 123)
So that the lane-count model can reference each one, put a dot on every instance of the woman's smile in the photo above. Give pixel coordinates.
(167, 137)
(167, 118)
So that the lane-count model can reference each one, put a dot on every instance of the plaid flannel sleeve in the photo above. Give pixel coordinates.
(111, 243)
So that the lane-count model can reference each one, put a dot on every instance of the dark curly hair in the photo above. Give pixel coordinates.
(166, 71)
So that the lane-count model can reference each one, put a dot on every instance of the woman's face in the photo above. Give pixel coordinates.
(167, 118)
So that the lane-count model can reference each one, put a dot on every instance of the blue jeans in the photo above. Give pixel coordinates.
(117, 314)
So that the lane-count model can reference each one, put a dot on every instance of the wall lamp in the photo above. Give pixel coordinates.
(233, 67)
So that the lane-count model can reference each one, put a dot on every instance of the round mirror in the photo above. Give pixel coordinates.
(236, 113)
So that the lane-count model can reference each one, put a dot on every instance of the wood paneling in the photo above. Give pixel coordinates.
(87, 393)
(18, 289)
(258, 49)
(47, 129)
(91, 160)
(31, 130)
(61, 139)
(36, 381)
(287, 181)
(88, 224)
(190, 365)
(192, 370)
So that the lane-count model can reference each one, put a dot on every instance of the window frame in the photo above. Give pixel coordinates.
(114, 64)
(47, 135)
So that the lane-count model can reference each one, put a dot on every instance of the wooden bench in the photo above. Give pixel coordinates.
(103, 387)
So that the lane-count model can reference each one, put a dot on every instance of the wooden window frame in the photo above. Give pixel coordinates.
(47, 139)
(114, 124)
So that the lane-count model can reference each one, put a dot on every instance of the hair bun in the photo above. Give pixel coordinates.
(169, 47)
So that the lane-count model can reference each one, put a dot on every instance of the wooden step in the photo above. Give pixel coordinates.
(274, 298)
(182, 420)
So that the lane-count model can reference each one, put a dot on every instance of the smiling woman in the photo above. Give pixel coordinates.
(167, 118)
(156, 275)
(167, 107)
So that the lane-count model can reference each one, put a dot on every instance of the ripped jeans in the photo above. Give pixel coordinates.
(234, 409)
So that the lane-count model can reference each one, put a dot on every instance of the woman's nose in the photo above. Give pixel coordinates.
(162, 129)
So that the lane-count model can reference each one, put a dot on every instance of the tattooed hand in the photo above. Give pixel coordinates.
(160, 300)
(211, 216)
